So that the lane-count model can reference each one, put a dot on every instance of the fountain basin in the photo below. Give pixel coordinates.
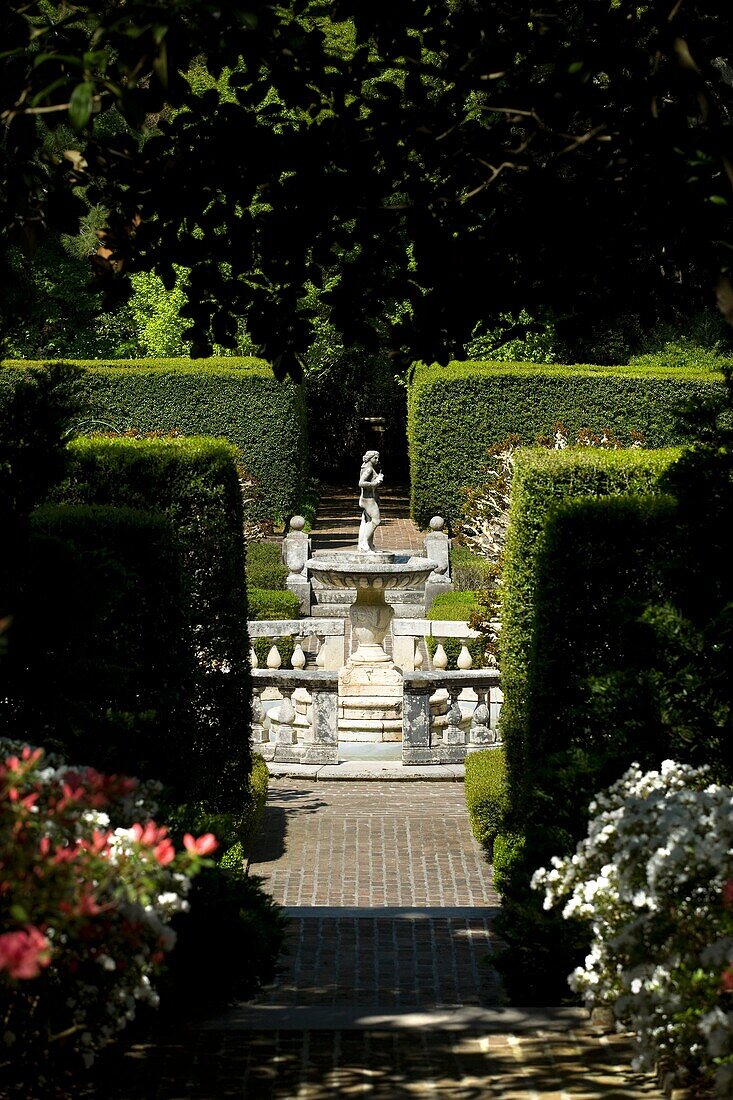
(379, 571)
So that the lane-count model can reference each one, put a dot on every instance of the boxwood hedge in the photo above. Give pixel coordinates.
(236, 398)
(456, 412)
(194, 483)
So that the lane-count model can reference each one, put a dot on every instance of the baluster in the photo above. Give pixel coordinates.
(274, 659)
(259, 733)
(298, 658)
(253, 662)
(481, 733)
(282, 727)
(321, 654)
(454, 735)
(465, 660)
(419, 661)
(440, 657)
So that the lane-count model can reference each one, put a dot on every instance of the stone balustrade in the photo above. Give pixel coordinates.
(303, 728)
(329, 635)
(448, 738)
(445, 714)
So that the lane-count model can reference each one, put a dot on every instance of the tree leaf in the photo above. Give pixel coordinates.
(80, 105)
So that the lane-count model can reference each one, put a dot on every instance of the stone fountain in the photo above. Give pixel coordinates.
(370, 686)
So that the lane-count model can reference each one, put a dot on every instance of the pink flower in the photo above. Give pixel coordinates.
(164, 852)
(200, 846)
(728, 892)
(24, 953)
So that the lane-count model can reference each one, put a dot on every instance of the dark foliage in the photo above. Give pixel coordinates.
(424, 157)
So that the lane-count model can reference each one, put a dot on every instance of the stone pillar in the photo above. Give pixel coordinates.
(296, 550)
(324, 749)
(416, 719)
(437, 549)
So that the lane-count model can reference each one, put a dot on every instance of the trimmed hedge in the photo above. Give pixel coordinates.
(100, 642)
(456, 412)
(544, 481)
(251, 823)
(455, 607)
(265, 567)
(194, 483)
(469, 571)
(486, 794)
(587, 531)
(237, 398)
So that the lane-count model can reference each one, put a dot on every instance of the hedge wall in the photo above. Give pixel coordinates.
(238, 399)
(100, 644)
(587, 531)
(486, 794)
(543, 482)
(194, 483)
(456, 412)
(456, 607)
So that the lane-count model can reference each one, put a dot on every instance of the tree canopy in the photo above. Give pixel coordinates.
(411, 162)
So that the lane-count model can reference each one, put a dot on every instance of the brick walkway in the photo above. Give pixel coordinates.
(337, 522)
(385, 988)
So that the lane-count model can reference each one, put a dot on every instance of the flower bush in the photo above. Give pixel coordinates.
(654, 878)
(88, 885)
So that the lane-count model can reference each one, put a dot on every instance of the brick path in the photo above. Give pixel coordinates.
(385, 988)
(337, 522)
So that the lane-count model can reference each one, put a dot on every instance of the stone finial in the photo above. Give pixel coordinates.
(437, 523)
(297, 523)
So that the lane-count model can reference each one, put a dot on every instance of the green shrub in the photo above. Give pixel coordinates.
(456, 607)
(506, 850)
(456, 412)
(265, 568)
(99, 652)
(236, 398)
(227, 907)
(470, 571)
(251, 824)
(486, 794)
(266, 604)
(194, 483)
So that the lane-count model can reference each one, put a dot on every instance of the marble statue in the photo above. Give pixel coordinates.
(370, 477)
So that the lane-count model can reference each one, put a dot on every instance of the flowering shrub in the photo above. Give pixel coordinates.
(654, 878)
(88, 885)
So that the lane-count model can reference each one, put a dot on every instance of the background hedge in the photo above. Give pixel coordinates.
(265, 567)
(456, 412)
(456, 607)
(238, 399)
(194, 483)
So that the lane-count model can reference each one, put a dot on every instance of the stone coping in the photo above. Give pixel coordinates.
(370, 770)
(278, 628)
(485, 677)
(294, 677)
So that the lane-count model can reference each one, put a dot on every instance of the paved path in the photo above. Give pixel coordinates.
(338, 518)
(386, 989)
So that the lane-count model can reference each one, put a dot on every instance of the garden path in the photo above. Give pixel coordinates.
(385, 988)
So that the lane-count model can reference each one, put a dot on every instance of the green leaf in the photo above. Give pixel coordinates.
(575, 67)
(719, 200)
(17, 912)
(80, 105)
